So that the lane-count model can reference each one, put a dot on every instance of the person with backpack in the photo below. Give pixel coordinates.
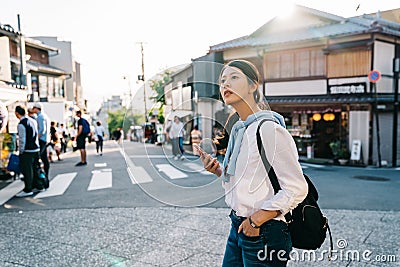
(29, 149)
(83, 131)
(258, 222)
(43, 123)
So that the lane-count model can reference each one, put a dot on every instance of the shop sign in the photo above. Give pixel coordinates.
(356, 150)
(348, 89)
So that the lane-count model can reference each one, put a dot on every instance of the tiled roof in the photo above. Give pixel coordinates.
(39, 67)
(333, 27)
(8, 29)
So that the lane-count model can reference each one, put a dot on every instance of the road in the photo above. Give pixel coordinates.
(127, 208)
(145, 175)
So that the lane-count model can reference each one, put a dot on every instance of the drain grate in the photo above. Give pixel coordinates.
(371, 178)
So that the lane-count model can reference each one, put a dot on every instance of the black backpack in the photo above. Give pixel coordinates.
(307, 224)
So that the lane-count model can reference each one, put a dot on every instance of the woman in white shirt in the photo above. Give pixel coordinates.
(98, 137)
(259, 235)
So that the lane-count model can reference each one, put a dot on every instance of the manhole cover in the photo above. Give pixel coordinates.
(371, 178)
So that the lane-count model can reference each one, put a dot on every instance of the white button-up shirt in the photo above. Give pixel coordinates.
(250, 189)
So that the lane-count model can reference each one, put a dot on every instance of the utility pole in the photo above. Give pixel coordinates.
(144, 82)
(22, 67)
(396, 71)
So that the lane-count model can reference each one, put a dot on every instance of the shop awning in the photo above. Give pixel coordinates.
(38, 67)
(9, 95)
(325, 99)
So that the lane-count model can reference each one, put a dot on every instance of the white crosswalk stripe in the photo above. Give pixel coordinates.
(197, 168)
(10, 191)
(58, 185)
(170, 171)
(101, 179)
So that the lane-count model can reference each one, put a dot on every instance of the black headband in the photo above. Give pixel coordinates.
(247, 69)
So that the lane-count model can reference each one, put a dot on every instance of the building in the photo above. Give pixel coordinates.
(315, 68)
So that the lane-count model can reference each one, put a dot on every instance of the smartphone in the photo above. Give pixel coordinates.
(201, 151)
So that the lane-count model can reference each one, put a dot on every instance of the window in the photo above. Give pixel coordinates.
(43, 87)
(295, 64)
(352, 63)
(50, 83)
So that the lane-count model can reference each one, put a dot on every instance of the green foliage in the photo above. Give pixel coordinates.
(344, 153)
(124, 120)
(335, 147)
(158, 87)
(115, 119)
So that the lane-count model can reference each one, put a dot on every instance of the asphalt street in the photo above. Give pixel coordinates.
(136, 206)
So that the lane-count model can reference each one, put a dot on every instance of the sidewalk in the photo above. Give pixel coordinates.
(172, 237)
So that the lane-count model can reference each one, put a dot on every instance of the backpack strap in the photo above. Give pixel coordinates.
(271, 172)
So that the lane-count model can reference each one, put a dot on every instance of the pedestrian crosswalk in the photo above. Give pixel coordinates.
(102, 177)
(58, 185)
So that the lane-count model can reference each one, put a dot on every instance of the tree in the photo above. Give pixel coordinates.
(158, 87)
(123, 119)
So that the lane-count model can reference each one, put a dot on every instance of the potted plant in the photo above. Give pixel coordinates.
(344, 156)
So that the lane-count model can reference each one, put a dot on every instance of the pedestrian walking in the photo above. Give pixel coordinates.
(257, 214)
(176, 135)
(99, 137)
(55, 142)
(28, 152)
(63, 135)
(196, 137)
(83, 131)
(43, 123)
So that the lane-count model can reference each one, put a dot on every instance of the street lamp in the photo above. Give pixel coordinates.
(130, 95)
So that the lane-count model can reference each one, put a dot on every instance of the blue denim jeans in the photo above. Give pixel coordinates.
(271, 248)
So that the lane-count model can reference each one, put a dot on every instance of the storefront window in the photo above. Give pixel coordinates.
(35, 83)
(50, 82)
(56, 87)
(43, 93)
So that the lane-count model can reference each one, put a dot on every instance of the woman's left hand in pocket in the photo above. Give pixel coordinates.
(247, 229)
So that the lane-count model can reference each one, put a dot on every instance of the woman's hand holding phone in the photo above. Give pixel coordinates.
(210, 164)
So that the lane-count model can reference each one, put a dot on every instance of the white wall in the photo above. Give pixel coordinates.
(5, 65)
(316, 87)
(383, 57)
(55, 111)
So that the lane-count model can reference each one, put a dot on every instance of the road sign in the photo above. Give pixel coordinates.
(374, 76)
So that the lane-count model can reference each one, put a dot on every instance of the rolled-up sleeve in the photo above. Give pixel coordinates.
(284, 159)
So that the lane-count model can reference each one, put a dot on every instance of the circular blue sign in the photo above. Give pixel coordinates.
(374, 76)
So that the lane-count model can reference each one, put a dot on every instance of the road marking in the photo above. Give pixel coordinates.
(170, 171)
(58, 185)
(197, 168)
(138, 175)
(99, 165)
(100, 180)
(10, 190)
(398, 169)
(312, 165)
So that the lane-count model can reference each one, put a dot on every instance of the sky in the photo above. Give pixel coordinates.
(105, 35)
